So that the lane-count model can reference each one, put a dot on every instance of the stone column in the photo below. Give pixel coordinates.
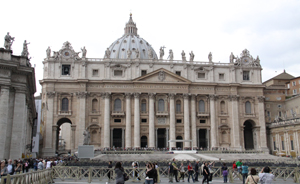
(4, 125)
(167, 137)
(156, 138)
(193, 119)
(128, 121)
(17, 146)
(151, 121)
(123, 138)
(208, 138)
(73, 129)
(112, 137)
(54, 136)
(261, 119)
(198, 141)
(213, 125)
(235, 133)
(48, 149)
(106, 127)
(172, 120)
(81, 120)
(187, 135)
(137, 137)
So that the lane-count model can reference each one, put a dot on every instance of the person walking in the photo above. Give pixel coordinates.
(252, 178)
(224, 172)
(119, 173)
(196, 169)
(40, 165)
(191, 172)
(181, 172)
(18, 168)
(171, 171)
(265, 176)
(239, 165)
(234, 168)
(109, 170)
(154, 175)
(206, 174)
(244, 172)
(175, 169)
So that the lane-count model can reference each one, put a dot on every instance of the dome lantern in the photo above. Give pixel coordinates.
(130, 28)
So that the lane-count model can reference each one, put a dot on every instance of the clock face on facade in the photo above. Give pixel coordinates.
(246, 60)
(66, 53)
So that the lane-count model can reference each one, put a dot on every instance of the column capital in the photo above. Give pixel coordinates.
(73, 127)
(82, 94)
(234, 97)
(128, 95)
(213, 97)
(50, 94)
(151, 95)
(136, 95)
(172, 95)
(261, 98)
(5, 87)
(186, 95)
(106, 95)
(193, 96)
(54, 127)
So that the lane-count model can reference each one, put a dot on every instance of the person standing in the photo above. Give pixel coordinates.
(239, 165)
(196, 170)
(191, 172)
(225, 172)
(119, 173)
(265, 176)
(205, 174)
(149, 174)
(10, 167)
(109, 170)
(171, 171)
(3, 170)
(252, 178)
(40, 165)
(175, 169)
(182, 172)
(244, 172)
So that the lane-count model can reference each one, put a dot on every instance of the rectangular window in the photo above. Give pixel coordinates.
(201, 75)
(274, 148)
(118, 73)
(294, 83)
(144, 72)
(282, 142)
(178, 121)
(279, 113)
(144, 120)
(294, 91)
(246, 75)
(143, 107)
(202, 120)
(117, 120)
(268, 113)
(299, 81)
(221, 76)
(65, 69)
(288, 86)
(95, 72)
(178, 73)
(292, 145)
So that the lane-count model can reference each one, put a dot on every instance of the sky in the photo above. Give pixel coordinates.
(269, 29)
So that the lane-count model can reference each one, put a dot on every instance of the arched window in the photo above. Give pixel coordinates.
(248, 107)
(117, 105)
(94, 136)
(94, 105)
(201, 106)
(64, 104)
(178, 106)
(161, 105)
(222, 104)
(143, 106)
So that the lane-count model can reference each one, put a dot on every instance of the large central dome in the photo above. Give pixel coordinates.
(131, 41)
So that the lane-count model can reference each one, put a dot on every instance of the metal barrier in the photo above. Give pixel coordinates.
(36, 177)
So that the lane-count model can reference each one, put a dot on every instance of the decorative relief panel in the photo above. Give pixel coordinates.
(161, 120)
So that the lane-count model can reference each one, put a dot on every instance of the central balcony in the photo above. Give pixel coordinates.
(162, 113)
(118, 113)
(202, 114)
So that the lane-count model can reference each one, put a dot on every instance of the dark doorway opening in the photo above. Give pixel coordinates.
(117, 137)
(161, 138)
(248, 135)
(143, 142)
(179, 144)
(58, 145)
(202, 138)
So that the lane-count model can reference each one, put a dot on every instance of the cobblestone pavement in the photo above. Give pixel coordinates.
(165, 180)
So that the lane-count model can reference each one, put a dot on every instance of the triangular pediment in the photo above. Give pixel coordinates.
(162, 76)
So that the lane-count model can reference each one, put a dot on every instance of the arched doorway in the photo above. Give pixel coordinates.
(63, 134)
(117, 137)
(179, 144)
(143, 142)
(248, 135)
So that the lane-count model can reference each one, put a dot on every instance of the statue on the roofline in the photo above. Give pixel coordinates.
(8, 41)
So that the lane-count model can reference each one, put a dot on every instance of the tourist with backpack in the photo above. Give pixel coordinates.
(225, 172)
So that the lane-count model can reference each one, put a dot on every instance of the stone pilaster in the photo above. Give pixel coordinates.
(128, 121)
(73, 129)
(106, 129)
(261, 119)
(19, 122)
(151, 121)
(187, 135)
(236, 138)
(81, 113)
(4, 126)
(213, 125)
(54, 136)
(193, 120)
(137, 137)
(172, 120)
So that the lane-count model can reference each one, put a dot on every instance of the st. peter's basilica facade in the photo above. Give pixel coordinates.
(133, 99)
